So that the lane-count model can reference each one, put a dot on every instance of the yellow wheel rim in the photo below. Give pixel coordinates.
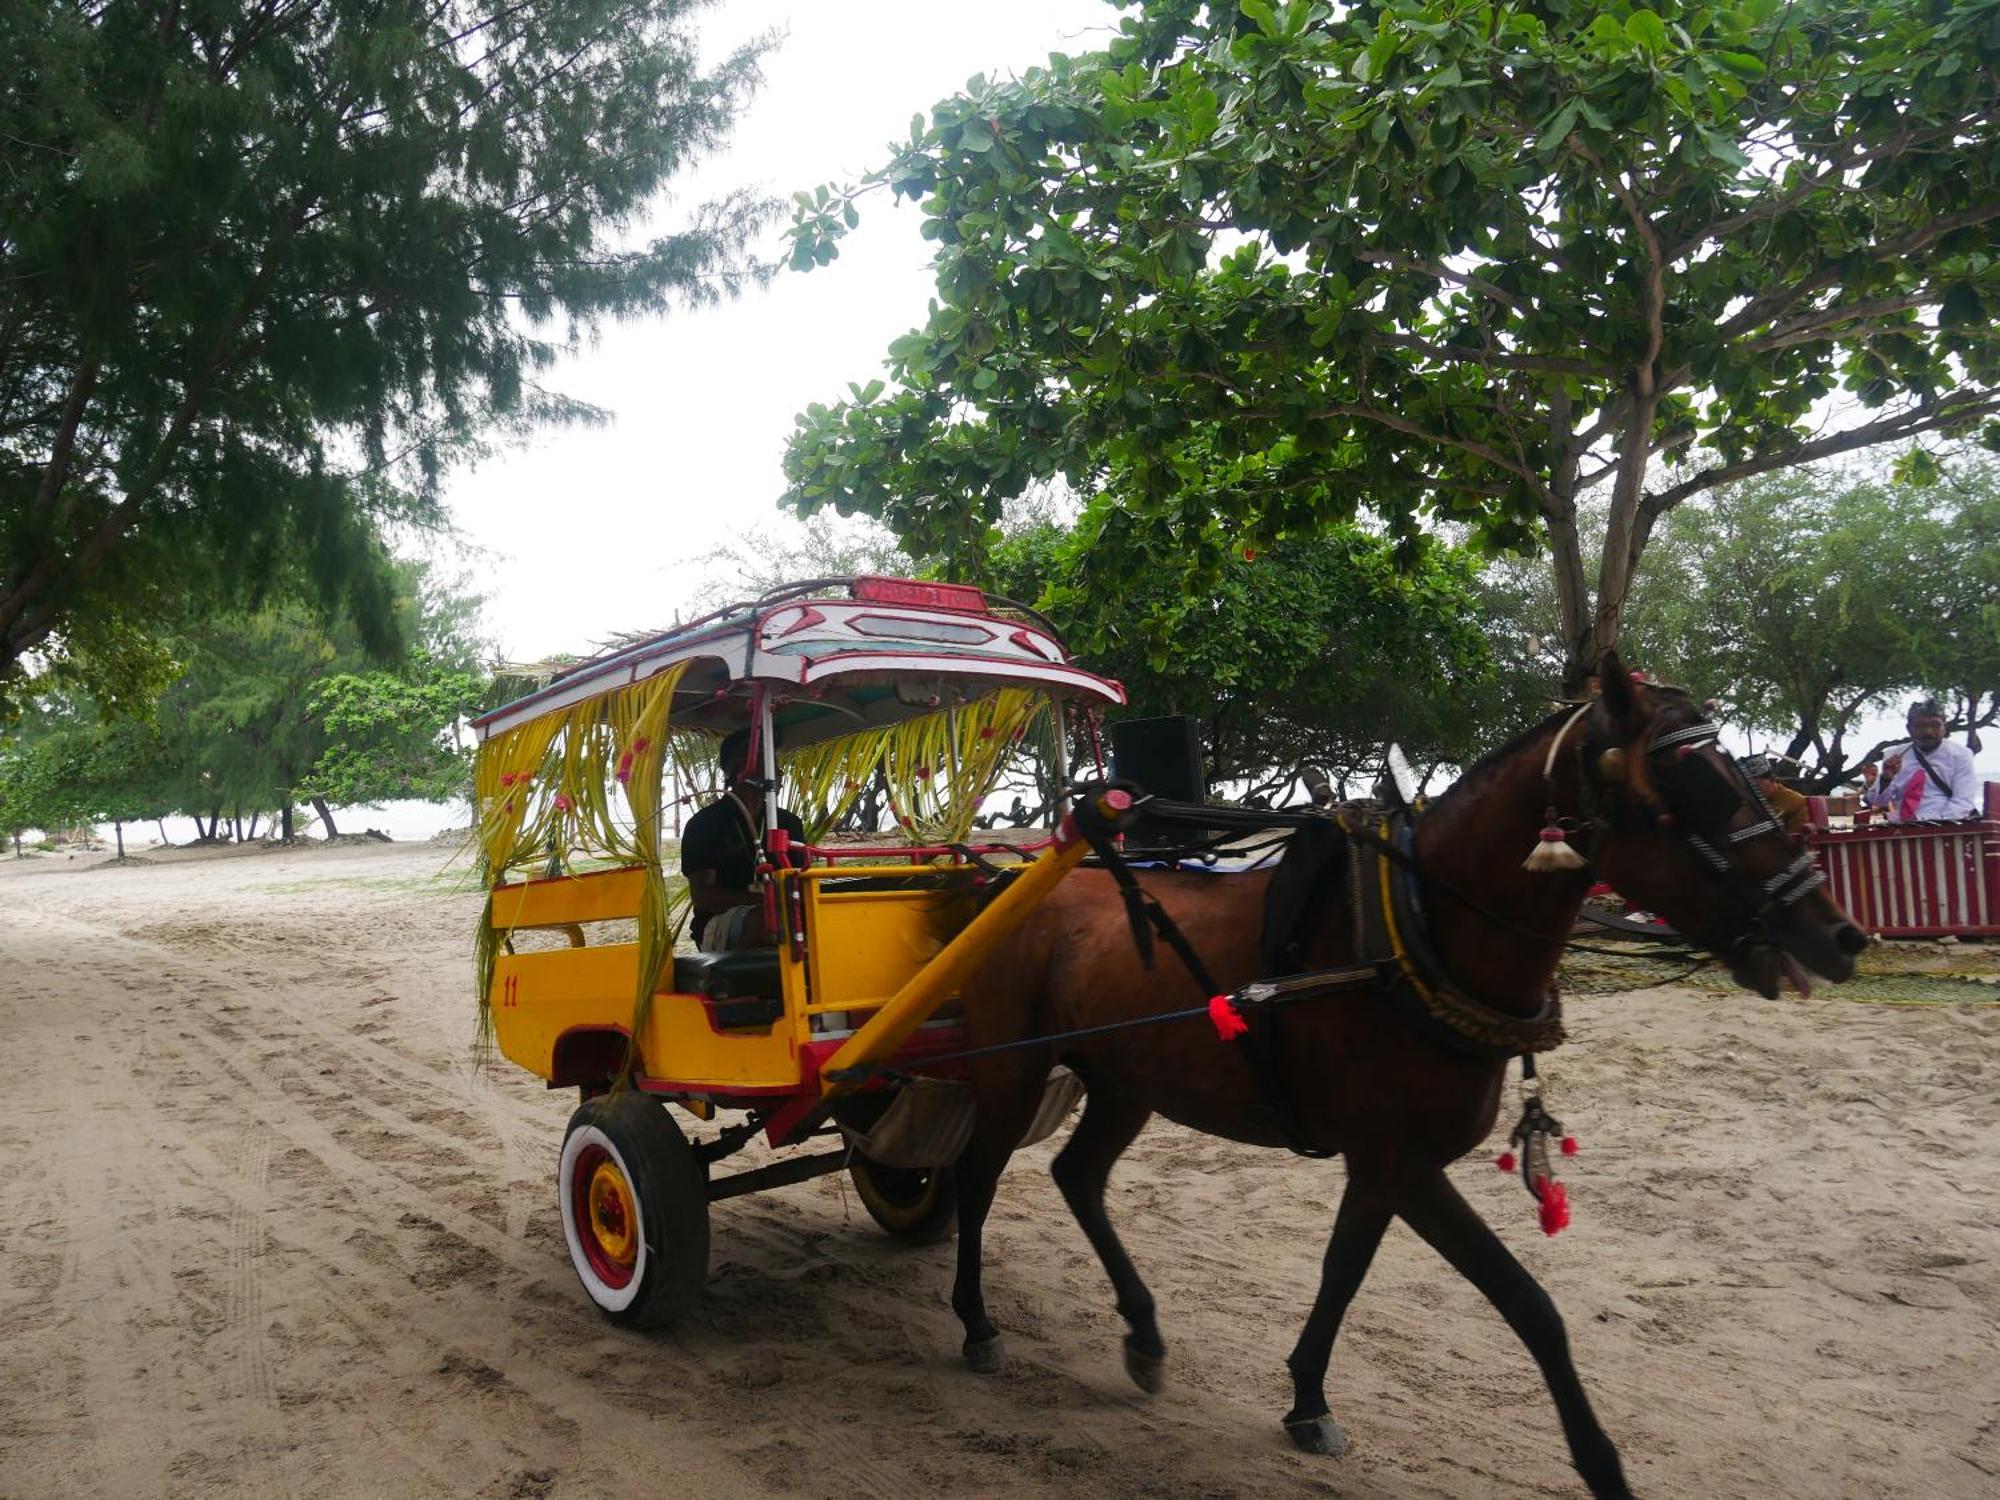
(614, 1219)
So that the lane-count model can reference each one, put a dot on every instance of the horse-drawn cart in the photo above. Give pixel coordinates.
(927, 690)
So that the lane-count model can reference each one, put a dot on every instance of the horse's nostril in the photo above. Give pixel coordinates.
(1849, 938)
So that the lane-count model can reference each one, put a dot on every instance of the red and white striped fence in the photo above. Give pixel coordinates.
(1916, 879)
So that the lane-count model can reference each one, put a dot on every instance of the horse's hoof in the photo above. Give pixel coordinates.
(984, 1356)
(1148, 1371)
(1318, 1435)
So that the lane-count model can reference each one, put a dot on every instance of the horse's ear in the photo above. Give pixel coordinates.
(1616, 685)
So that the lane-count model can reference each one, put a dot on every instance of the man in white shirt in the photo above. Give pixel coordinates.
(1929, 780)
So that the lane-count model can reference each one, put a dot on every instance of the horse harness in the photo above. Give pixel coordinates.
(1698, 801)
(1390, 928)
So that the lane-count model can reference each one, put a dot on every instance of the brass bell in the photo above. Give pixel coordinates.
(1611, 765)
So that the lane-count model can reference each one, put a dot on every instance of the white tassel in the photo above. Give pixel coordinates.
(1552, 851)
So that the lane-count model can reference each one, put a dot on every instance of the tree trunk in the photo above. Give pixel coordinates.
(17, 845)
(118, 832)
(285, 817)
(1580, 649)
(325, 817)
(236, 825)
(161, 824)
(253, 824)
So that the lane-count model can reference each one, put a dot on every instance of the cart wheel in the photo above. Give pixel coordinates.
(917, 1204)
(634, 1210)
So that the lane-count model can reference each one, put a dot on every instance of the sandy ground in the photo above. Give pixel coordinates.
(265, 1230)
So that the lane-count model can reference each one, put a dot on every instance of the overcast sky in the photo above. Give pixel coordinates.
(581, 530)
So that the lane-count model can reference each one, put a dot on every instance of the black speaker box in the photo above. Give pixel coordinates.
(1163, 756)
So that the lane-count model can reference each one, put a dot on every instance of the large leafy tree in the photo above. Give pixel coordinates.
(1300, 662)
(1260, 265)
(270, 266)
(275, 707)
(69, 764)
(1807, 601)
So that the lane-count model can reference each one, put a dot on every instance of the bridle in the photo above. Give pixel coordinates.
(1700, 800)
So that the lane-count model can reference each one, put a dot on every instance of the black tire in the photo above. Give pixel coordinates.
(634, 1205)
(918, 1205)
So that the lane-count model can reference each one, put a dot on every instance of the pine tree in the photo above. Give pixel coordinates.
(272, 266)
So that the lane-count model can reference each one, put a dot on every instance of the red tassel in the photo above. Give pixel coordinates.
(1505, 1161)
(1554, 1200)
(1570, 1147)
(1228, 1024)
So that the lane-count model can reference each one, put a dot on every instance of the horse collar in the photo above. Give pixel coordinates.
(1392, 904)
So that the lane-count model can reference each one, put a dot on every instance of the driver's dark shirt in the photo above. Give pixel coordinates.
(717, 838)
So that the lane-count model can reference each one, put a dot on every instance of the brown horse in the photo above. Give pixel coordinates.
(1635, 778)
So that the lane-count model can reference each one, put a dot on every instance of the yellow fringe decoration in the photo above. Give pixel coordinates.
(939, 768)
(543, 798)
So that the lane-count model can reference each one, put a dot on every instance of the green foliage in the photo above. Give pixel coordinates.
(1314, 654)
(1257, 267)
(1806, 601)
(271, 268)
(386, 736)
(275, 707)
(67, 764)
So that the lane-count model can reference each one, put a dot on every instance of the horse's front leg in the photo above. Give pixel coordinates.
(1110, 1123)
(1450, 1225)
(1364, 1214)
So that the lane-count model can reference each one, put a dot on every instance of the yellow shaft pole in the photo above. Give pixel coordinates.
(941, 978)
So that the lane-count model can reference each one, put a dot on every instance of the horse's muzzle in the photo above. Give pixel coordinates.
(1815, 935)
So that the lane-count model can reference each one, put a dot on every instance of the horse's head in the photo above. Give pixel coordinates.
(1681, 830)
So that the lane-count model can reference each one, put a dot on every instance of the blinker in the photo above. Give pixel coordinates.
(1698, 795)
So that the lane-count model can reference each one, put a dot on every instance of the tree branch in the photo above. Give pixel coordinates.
(1397, 423)
(1928, 417)
(1395, 262)
(1759, 309)
(1808, 326)
(1546, 364)
(1830, 178)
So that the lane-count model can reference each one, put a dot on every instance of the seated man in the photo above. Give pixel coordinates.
(1929, 780)
(719, 856)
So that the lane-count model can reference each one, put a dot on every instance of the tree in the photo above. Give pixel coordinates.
(30, 789)
(279, 706)
(1307, 658)
(70, 765)
(1447, 260)
(272, 267)
(1805, 601)
(389, 737)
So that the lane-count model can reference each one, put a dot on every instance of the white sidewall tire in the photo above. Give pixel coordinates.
(610, 1298)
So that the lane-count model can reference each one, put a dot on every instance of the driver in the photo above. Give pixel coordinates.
(719, 856)
(1929, 780)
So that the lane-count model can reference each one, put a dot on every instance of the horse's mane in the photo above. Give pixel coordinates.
(1483, 769)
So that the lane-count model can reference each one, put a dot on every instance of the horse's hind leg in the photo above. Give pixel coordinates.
(976, 1177)
(1357, 1231)
(1005, 1098)
(1444, 1219)
(1110, 1123)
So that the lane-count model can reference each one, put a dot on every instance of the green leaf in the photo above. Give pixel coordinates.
(1648, 30)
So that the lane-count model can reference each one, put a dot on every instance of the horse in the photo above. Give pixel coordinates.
(1665, 815)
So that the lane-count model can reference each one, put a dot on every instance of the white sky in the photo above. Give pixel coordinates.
(582, 530)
